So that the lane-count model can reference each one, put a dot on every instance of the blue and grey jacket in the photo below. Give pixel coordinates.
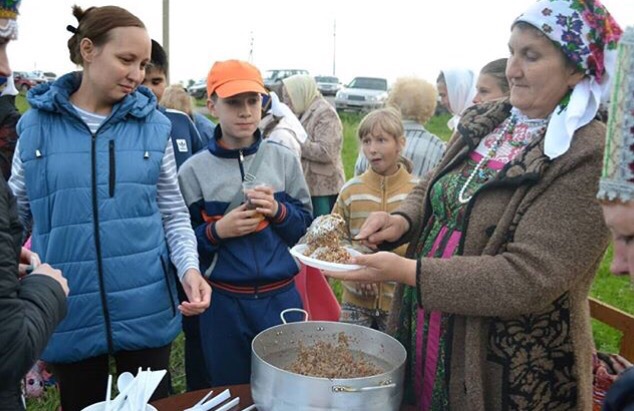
(210, 179)
(185, 137)
(93, 198)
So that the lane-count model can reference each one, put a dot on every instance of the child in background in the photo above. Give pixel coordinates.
(185, 141)
(243, 249)
(492, 83)
(381, 188)
(185, 138)
(177, 98)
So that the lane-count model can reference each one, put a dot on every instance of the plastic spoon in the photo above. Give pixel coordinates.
(125, 384)
(125, 378)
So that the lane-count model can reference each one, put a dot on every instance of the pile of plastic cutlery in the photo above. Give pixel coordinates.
(218, 403)
(134, 392)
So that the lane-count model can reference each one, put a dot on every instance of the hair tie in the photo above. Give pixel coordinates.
(71, 29)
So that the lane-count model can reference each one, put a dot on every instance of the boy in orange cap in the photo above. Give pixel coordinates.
(243, 246)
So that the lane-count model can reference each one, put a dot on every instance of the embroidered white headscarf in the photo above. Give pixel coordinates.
(588, 35)
(461, 89)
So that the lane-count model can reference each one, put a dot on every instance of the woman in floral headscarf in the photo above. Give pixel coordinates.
(506, 234)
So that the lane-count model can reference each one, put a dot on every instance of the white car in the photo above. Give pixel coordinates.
(362, 94)
(328, 85)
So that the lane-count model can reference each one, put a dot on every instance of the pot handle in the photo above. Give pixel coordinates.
(293, 310)
(382, 385)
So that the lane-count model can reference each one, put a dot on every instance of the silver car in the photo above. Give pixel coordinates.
(328, 85)
(362, 94)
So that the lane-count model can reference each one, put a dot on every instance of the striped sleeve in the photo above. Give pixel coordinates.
(18, 186)
(178, 230)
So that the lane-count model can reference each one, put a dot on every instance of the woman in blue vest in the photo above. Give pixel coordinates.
(94, 172)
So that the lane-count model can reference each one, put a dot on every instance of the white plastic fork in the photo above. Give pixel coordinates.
(108, 393)
(229, 405)
(215, 401)
(203, 399)
(249, 408)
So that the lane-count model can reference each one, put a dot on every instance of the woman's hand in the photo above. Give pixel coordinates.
(28, 261)
(45, 269)
(367, 289)
(262, 197)
(238, 222)
(382, 266)
(198, 293)
(381, 226)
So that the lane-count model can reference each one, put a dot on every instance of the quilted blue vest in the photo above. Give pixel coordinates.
(95, 217)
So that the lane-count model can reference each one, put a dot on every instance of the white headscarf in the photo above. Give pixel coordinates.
(280, 109)
(9, 88)
(302, 89)
(461, 89)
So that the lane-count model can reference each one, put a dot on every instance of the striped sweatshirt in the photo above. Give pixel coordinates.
(359, 197)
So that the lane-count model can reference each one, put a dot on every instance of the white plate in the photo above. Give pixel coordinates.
(298, 252)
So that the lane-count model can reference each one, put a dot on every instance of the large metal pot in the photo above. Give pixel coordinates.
(274, 389)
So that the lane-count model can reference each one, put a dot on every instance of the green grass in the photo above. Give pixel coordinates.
(613, 290)
(608, 288)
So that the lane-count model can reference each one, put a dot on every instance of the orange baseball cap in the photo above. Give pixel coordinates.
(231, 77)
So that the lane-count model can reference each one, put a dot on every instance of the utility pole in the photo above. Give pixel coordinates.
(251, 41)
(166, 31)
(334, 46)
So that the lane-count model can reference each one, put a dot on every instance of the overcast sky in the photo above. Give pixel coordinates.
(373, 38)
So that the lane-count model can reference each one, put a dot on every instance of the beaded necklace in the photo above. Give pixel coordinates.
(507, 132)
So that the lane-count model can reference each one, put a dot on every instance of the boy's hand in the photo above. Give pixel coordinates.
(198, 293)
(262, 197)
(238, 222)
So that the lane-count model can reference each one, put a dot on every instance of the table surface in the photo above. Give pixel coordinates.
(188, 399)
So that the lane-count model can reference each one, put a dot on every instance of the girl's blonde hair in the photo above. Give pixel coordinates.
(388, 120)
(177, 98)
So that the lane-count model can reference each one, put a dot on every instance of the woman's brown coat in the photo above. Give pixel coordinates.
(321, 153)
(518, 289)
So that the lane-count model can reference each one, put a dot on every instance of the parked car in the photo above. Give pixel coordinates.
(50, 76)
(362, 94)
(23, 81)
(328, 85)
(273, 78)
(198, 90)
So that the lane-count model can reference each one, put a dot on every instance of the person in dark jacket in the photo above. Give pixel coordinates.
(31, 307)
(9, 117)
(185, 138)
